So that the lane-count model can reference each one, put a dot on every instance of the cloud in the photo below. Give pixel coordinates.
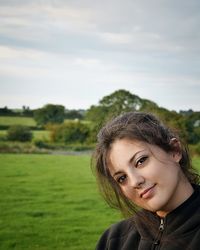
(7, 52)
(116, 38)
(35, 18)
(18, 62)
(102, 45)
(131, 23)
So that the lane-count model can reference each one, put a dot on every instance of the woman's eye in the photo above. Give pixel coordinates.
(121, 179)
(141, 161)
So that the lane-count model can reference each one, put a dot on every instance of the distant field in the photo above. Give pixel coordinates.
(50, 202)
(41, 135)
(28, 121)
(9, 120)
(2, 132)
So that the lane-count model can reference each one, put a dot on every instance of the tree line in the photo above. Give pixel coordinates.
(186, 122)
(27, 112)
(52, 117)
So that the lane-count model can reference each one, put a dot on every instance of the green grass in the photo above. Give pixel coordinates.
(9, 120)
(41, 135)
(50, 202)
(196, 162)
(27, 121)
(3, 132)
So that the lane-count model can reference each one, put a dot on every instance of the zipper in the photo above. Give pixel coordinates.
(156, 242)
(161, 227)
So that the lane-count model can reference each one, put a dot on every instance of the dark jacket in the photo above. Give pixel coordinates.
(179, 230)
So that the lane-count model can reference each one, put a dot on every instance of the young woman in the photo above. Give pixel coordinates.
(143, 169)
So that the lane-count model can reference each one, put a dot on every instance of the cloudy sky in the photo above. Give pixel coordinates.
(74, 52)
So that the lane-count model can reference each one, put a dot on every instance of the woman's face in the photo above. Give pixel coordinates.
(149, 176)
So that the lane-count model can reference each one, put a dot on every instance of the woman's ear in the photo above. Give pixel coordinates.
(176, 149)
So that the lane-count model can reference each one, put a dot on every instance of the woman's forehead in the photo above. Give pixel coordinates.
(120, 144)
(123, 150)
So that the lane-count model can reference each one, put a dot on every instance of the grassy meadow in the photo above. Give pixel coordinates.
(50, 202)
(196, 163)
(12, 120)
(26, 121)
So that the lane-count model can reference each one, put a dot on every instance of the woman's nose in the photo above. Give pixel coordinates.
(136, 180)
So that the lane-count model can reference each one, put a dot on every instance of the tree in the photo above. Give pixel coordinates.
(26, 111)
(73, 114)
(50, 113)
(123, 101)
(112, 105)
(19, 133)
(193, 126)
(6, 112)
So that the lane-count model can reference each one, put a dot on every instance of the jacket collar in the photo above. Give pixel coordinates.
(179, 221)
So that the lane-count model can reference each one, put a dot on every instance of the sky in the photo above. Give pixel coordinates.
(75, 52)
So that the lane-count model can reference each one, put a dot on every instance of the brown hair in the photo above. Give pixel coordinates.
(135, 126)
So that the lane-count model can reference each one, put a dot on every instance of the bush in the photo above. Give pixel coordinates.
(19, 133)
(43, 144)
(70, 132)
(50, 113)
(3, 137)
(20, 148)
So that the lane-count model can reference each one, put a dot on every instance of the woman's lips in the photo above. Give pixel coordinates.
(147, 193)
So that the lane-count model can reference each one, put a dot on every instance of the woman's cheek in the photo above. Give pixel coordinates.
(129, 193)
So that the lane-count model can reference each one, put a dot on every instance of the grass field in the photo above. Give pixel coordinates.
(9, 120)
(196, 163)
(26, 121)
(41, 135)
(50, 202)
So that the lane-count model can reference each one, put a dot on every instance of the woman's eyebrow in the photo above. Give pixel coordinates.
(118, 172)
(135, 155)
